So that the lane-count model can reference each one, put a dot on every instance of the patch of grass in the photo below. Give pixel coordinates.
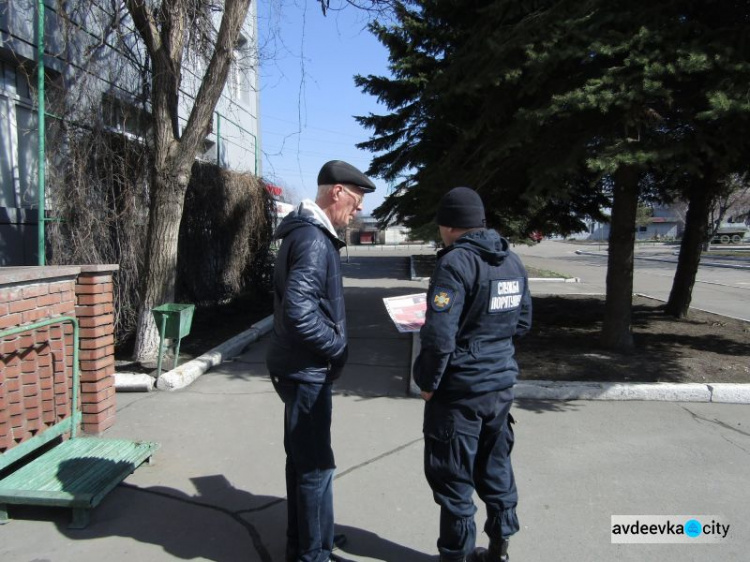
(425, 264)
(545, 273)
(738, 253)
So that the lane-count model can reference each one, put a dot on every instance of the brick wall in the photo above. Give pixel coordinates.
(36, 367)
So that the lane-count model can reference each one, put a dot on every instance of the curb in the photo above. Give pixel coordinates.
(647, 296)
(187, 373)
(661, 260)
(555, 279)
(724, 393)
(133, 382)
(413, 272)
(413, 276)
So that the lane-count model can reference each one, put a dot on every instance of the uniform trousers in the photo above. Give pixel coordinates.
(468, 442)
(309, 469)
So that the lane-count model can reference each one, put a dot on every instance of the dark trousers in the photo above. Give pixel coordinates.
(467, 447)
(309, 469)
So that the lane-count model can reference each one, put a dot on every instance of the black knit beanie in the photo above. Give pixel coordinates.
(461, 207)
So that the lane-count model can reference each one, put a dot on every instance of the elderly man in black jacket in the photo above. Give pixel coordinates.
(308, 350)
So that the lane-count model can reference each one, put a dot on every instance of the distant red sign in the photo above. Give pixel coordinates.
(274, 190)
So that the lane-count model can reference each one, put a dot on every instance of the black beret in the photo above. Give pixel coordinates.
(338, 171)
(461, 207)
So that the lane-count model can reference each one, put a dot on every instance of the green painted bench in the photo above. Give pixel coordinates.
(76, 473)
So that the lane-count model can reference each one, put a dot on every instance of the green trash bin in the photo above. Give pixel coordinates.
(173, 321)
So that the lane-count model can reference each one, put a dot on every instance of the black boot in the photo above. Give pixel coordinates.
(498, 552)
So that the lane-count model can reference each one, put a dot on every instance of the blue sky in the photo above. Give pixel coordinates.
(308, 97)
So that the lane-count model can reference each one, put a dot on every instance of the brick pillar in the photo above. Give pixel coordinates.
(95, 312)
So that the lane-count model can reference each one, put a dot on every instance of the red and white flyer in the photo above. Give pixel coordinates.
(407, 311)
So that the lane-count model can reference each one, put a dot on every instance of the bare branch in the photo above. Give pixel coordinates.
(145, 24)
(214, 80)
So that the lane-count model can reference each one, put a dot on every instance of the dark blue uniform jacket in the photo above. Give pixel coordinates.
(308, 342)
(477, 302)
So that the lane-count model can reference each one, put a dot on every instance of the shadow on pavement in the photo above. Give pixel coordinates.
(370, 545)
(210, 525)
(376, 267)
(545, 406)
(213, 524)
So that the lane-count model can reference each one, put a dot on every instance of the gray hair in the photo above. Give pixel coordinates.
(324, 189)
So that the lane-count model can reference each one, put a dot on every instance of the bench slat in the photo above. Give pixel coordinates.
(78, 472)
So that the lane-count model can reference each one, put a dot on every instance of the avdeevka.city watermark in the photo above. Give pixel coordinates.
(665, 529)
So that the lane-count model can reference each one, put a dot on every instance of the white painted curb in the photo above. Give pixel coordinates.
(187, 373)
(725, 393)
(413, 276)
(728, 393)
(555, 279)
(568, 390)
(648, 258)
(133, 382)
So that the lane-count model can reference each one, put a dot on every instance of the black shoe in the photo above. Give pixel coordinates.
(479, 555)
(496, 553)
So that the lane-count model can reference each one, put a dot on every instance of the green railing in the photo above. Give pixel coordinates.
(68, 425)
(40, 101)
(219, 119)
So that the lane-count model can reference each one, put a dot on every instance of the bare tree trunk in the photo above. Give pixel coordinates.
(616, 332)
(691, 248)
(162, 29)
(158, 285)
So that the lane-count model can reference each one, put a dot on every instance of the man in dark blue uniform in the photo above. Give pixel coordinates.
(477, 302)
(308, 350)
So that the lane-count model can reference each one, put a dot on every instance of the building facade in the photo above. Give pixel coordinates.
(665, 224)
(97, 71)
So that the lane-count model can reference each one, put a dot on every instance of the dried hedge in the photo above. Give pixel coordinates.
(99, 196)
(224, 236)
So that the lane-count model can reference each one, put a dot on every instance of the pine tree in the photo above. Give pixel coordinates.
(555, 109)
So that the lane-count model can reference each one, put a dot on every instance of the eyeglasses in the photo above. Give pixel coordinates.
(357, 198)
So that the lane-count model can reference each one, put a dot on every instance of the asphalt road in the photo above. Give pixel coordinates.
(719, 289)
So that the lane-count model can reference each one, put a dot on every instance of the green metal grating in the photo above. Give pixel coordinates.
(76, 473)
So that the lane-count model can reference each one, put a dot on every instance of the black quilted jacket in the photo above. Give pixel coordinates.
(308, 342)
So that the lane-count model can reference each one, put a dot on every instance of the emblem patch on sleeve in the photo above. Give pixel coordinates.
(442, 299)
(505, 295)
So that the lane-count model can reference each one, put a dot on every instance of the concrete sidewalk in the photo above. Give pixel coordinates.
(217, 489)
